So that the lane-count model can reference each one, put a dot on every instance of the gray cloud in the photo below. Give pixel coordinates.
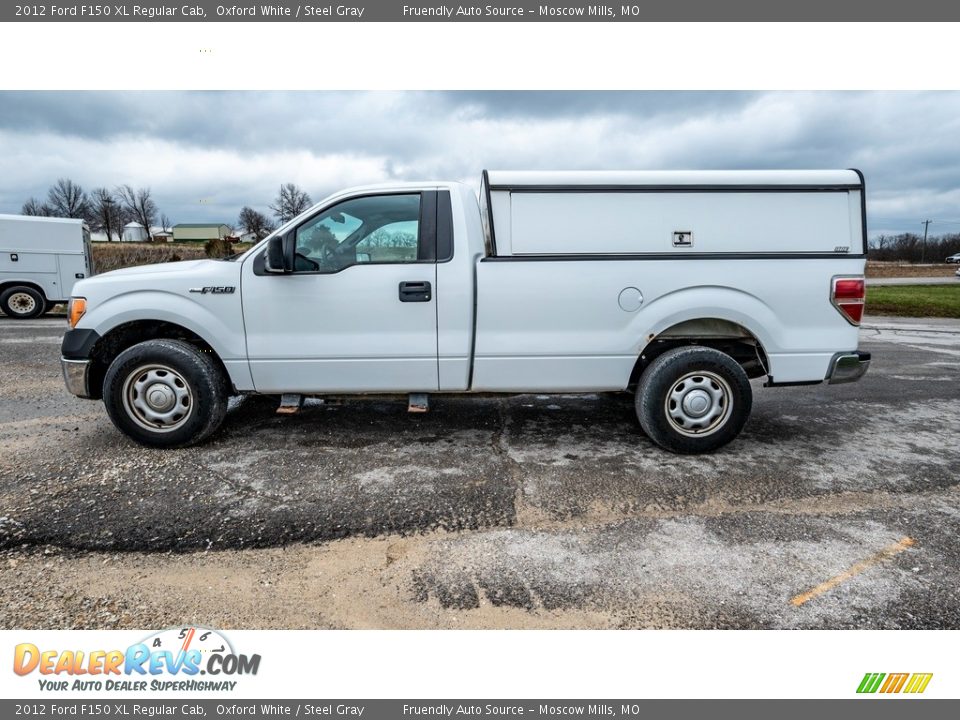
(207, 153)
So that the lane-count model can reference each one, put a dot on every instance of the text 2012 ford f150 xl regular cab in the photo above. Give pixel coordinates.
(677, 286)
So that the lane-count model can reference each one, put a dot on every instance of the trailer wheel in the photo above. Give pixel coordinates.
(22, 302)
(693, 400)
(165, 393)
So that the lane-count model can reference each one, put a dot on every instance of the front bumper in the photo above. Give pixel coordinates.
(75, 360)
(76, 376)
(848, 367)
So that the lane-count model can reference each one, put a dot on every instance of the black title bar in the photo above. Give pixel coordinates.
(518, 11)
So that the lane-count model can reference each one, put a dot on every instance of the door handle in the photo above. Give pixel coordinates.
(415, 292)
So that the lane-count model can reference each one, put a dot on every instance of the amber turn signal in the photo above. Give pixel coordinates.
(75, 310)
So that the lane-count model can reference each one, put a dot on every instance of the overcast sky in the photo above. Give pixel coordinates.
(206, 154)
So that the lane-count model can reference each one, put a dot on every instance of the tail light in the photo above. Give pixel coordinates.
(848, 295)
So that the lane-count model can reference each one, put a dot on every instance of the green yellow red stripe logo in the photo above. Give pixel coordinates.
(888, 683)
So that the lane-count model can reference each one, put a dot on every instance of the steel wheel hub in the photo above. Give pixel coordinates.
(22, 303)
(160, 397)
(699, 403)
(696, 403)
(157, 398)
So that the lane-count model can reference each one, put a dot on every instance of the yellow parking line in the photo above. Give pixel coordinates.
(885, 554)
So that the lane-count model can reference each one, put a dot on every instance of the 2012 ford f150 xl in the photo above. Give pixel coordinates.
(677, 286)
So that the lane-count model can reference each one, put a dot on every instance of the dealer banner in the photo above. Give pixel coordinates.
(512, 11)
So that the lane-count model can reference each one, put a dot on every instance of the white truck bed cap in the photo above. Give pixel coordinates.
(507, 179)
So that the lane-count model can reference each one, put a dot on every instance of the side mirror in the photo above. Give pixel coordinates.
(363, 257)
(279, 257)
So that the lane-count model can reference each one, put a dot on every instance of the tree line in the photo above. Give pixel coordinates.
(106, 211)
(910, 247)
(109, 211)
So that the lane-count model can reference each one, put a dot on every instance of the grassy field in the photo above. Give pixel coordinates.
(113, 256)
(914, 300)
(897, 269)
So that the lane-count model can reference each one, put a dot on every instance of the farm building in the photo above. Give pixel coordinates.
(134, 232)
(199, 231)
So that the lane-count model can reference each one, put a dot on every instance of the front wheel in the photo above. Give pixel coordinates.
(693, 400)
(166, 393)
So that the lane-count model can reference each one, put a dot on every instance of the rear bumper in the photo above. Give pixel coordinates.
(76, 376)
(848, 367)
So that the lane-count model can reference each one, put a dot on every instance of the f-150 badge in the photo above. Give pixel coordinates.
(214, 290)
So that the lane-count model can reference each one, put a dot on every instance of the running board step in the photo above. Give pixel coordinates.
(418, 403)
(290, 404)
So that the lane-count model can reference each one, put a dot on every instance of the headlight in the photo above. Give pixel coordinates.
(75, 310)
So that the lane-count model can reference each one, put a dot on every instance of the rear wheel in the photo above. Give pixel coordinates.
(22, 302)
(693, 400)
(166, 393)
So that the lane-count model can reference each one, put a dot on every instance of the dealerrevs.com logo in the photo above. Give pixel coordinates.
(178, 659)
(889, 683)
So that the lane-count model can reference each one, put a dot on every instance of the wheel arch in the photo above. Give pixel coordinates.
(7, 284)
(127, 334)
(714, 329)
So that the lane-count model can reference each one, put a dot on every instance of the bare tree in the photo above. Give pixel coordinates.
(66, 199)
(36, 208)
(139, 204)
(164, 222)
(105, 213)
(253, 221)
(121, 217)
(290, 202)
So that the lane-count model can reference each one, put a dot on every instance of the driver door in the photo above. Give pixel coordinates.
(358, 314)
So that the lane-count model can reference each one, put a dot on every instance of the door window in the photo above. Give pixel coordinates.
(374, 229)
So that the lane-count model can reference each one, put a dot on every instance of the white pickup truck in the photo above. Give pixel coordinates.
(676, 286)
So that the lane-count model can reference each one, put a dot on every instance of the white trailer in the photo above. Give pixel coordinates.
(41, 258)
(678, 287)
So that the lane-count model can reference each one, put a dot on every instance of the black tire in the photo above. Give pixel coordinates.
(166, 371)
(22, 302)
(693, 400)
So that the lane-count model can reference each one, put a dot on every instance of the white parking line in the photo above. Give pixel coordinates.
(49, 339)
(29, 325)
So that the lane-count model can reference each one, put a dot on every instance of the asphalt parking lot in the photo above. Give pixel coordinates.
(837, 508)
